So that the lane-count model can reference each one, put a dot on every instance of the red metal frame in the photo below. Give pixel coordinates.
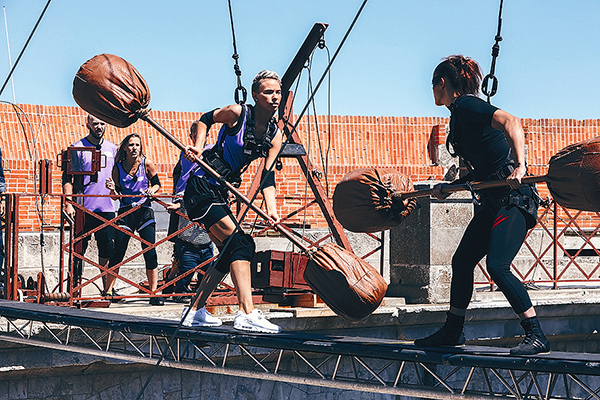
(68, 292)
(555, 221)
(64, 160)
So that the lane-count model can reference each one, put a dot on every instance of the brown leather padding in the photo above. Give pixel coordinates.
(574, 176)
(347, 284)
(111, 89)
(363, 199)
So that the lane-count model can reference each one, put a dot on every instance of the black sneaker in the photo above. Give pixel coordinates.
(441, 338)
(157, 301)
(181, 299)
(111, 296)
(532, 344)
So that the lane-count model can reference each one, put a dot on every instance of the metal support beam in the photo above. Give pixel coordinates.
(337, 362)
(286, 123)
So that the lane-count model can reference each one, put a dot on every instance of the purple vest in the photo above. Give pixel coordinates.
(238, 144)
(82, 161)
(132, 185)
(187, 169)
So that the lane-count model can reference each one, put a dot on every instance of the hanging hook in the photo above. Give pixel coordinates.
(240, 90)
(489, 92)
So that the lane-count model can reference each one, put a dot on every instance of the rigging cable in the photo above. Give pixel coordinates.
(243, 215)
(32, 154)
(489, 92)
(24, 47)
(337, 51)
(308, 139)
(299, 116)
(323, 158)
(240, 89)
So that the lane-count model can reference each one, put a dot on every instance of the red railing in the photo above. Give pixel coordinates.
(559, 251)
(74, 290)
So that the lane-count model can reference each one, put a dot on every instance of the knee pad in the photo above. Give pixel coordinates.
(240, 248)
(223, 264)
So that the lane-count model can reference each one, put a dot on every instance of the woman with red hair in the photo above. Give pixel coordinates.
(492, 144)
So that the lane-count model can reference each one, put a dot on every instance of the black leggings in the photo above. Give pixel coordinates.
(147, 233)
(499, 236)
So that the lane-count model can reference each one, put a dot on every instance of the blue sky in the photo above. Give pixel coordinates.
(548, 65)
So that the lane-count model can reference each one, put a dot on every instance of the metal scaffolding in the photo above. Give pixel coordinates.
(339, 362)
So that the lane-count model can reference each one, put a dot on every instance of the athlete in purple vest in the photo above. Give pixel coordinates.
(84, 184)
(248, 133)
(134, 174)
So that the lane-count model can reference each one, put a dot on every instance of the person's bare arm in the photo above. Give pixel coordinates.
(68, 190)
(227, 115)
(269, 193)
(111, 184)
(512, 128)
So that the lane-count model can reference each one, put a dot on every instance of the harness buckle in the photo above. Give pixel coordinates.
(476, 196)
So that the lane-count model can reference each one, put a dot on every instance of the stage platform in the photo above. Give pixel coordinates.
(351, 362)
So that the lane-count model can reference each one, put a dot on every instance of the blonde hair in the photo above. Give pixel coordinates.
(262, 75)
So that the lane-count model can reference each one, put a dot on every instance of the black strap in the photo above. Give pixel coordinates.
(240, 89)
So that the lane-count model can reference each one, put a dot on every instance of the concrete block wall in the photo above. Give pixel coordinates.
(422, 246)
(102, 380)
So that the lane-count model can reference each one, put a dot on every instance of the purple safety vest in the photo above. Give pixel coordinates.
(239, 146)
(187, 169)
(132, 185)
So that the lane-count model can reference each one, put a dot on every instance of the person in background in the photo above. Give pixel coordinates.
(192, 246)
(248, 133)
(492, 144)
(92, 185)
(134, 174)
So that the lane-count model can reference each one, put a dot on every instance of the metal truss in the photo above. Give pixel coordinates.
(338, 362)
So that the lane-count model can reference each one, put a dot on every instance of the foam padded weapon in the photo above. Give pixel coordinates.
(573, 179)
(368, 199)
(346, 283)
(574, 176)
(111, 89)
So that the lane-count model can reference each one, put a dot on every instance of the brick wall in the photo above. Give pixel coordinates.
(405, 143)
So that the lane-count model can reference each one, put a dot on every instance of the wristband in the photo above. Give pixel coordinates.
(267, 179)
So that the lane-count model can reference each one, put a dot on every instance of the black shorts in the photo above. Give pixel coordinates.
(105, 237)
(205, 202)
(137, 220)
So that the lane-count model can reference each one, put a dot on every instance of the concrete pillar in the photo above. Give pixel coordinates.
(421, 248)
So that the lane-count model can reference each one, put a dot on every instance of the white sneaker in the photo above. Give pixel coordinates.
(200, 317)
(254, 322)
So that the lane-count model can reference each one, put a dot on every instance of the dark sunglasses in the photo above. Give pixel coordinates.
(436, 79)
